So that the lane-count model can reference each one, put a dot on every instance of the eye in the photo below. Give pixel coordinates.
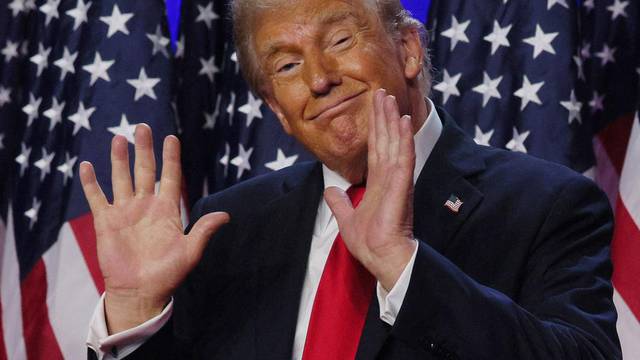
(342, 40)
(286, 67)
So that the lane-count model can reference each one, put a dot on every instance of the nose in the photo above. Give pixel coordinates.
(321, 74)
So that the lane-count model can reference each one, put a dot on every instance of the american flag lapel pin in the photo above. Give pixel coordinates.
(454, 203)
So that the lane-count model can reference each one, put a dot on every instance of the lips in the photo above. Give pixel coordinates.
(334, 107)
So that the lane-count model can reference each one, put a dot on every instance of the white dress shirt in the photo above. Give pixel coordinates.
(119, 345)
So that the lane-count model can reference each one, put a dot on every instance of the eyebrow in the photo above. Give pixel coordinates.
(324, 19)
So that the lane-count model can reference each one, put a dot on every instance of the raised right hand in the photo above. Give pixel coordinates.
(142, 251)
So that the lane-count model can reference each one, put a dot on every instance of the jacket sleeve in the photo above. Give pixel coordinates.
(564, 308)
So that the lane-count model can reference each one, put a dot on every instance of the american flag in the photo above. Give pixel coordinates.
(557, 79)
(72, 74)
(229, 133)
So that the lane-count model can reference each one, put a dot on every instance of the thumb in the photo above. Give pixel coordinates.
(339, 204)
(202, 231)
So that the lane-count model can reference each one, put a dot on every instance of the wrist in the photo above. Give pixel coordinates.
(388, 266)
(127, 310)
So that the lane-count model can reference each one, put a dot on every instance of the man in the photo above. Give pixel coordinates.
(454, 250)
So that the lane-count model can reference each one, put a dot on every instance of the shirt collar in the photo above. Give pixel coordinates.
(425, 140)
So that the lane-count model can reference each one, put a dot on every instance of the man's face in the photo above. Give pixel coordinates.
(323, 61)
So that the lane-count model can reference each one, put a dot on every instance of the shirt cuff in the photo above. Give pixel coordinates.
(391, 302)
(119, 345)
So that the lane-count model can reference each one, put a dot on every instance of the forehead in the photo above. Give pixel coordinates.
(303, 19)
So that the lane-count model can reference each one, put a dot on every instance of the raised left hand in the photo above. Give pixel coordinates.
(379, 232)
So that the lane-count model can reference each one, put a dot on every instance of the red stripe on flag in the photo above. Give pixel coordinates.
(615, 138)
(39, 338)
(3, 348)
(85, 234)
(625, 250)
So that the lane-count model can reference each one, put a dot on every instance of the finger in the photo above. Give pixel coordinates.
(92, 191)
(120, 173)
(145, 164)
(371, 142)
(381, 128)
(339, 204)
(393, 126)
(171, 179)
(202, 231)
(407, 150)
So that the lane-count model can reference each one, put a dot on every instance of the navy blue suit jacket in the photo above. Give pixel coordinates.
(521, 272)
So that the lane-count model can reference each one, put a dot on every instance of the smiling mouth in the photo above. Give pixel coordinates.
(336, 107)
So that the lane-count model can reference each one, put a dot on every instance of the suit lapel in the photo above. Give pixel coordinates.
(282, 253)
(447, 174)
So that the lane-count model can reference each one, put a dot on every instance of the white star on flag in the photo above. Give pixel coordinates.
(50, 9)
(65, 63)
(224, 160)
(551, 3)
(159, 42)
(618, 9)
(5, 96)
(210, 120)
(488, 89)
(66, 168)
(589, 4)
(16, 7)
(529, 92)
(448, 86)
(482, 138)
(597, 102)
(32, 213)
(282, 161)
(117, 21)
(607, 55)
(41, 59)
(79, 13)
(10, 50)
(54, 113)
(98, 69)
(206, 14)
(242, 160)
(144, 85)
(585, 50)
(209, 67)
(124, 129)
(498, 37)
(32, 108)
(180, 47)
(81, 118)
(231, 107)
(574, 107)
(23, 158)
(541, 42)
(517, 143)
(234, 58)
(580, 64)
(44, 164)
(251, 108)
(456, 32)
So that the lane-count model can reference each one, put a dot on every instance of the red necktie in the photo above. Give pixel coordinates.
(341, 303)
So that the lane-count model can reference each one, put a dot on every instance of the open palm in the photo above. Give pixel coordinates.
(142, 251)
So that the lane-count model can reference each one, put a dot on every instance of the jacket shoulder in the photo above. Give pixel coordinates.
(248, 197)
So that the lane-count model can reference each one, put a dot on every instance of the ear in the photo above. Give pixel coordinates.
(275, 107)
(413, 53)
